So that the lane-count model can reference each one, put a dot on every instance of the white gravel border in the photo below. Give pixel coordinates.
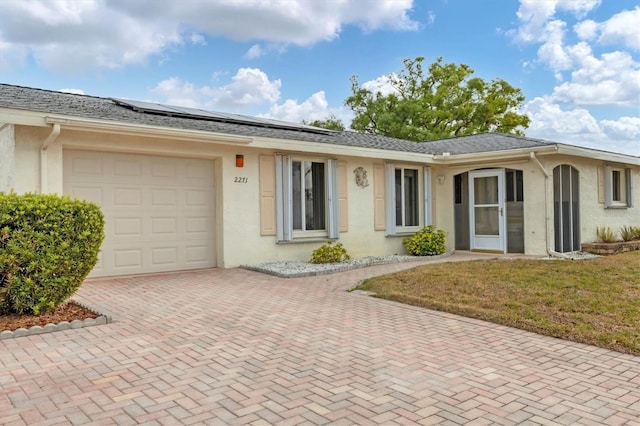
(297, 269)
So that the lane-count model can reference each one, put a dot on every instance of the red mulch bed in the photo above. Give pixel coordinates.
(67, 312)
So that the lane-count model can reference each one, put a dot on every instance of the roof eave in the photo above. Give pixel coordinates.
(123, 128)
(493, 155)
(308, 147)
(598, 155)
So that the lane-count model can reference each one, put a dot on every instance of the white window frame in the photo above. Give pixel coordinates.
(424, 205)
(623, 188)
(284, 200)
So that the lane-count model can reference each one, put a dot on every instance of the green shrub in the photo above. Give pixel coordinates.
(636, 232)
(429, 241)
(627, 233)
(48, 245)
(605, 234)
(328, 253)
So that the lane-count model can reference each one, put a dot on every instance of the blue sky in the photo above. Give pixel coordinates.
(576, 61)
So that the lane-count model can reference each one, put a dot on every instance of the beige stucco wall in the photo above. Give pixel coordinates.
(7, 156)
(360, 240)
(237, 200)
(28, 164)
(534, 199)
(593, 212)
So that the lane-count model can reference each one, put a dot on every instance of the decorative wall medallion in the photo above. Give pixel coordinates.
(361, 177)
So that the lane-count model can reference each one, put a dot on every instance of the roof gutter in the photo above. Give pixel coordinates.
(598, 155)
(122, 128)
(51, 138)
(446, 158)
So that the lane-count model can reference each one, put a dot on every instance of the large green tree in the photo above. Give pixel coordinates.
(444, 102)
(331, 122)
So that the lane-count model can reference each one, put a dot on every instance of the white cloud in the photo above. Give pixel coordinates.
(553, 52)
(248, 87)
(586, 30)
(254, 51)
(68, 35)
(624, 128)
(174, 91)
(381, 85)
(431, 17)
(71, 35)
(535, 15)
(198, 39)
(611, 80)
(74, 91)
(622, 27)
(578, 127)
(315, 107)
(585, 78)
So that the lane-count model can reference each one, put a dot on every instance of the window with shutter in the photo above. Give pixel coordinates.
(306, 198)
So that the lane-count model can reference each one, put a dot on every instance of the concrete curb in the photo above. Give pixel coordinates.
(64, 325)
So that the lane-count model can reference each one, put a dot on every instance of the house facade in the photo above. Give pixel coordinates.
(185, 189)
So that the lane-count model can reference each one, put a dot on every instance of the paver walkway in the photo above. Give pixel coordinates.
(240, 347)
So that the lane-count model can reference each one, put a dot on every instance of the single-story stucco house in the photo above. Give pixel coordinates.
(183, 188)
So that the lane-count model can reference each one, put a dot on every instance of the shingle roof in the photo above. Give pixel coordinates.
(52, 102)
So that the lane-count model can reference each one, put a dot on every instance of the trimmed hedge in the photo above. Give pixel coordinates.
(48, 245)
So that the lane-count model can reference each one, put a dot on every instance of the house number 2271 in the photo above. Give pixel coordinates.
(238, 179)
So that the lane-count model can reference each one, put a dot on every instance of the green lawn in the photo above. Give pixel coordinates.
(594, 301)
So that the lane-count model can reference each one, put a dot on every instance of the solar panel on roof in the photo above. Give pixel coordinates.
(146, 106)
(200, 114)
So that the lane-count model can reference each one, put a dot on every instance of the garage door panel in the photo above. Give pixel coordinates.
(163, 197)
(163, 169)
(196, 198)
(159, 211)
(164, 256)
(127, 226)
(198, 172)
(95, 194)
(197, 254)
(128, 197)
(127, 258)
(84, 165)
(127, 168)
(196, 224)
(164, 226)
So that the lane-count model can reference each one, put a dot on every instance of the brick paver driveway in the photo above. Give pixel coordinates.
(239, 347)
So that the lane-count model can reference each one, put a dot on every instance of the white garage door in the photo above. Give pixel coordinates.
(159, 211)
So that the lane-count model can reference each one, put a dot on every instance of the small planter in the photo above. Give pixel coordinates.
(606, 249)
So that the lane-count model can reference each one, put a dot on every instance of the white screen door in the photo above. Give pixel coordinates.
(486, 214)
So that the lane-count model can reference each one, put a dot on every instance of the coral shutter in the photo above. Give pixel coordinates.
(343, 210)
(267, 195)
(379, 218)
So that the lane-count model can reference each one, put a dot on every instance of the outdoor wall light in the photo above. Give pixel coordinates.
(239, 160)
(440, 179)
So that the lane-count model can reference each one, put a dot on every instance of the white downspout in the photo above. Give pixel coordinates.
(548, 207)
(53, 135)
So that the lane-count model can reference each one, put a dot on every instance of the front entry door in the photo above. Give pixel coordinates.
(486, 210)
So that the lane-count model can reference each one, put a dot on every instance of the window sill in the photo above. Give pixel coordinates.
(616, 207)
(307, 240)
(400, 235)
